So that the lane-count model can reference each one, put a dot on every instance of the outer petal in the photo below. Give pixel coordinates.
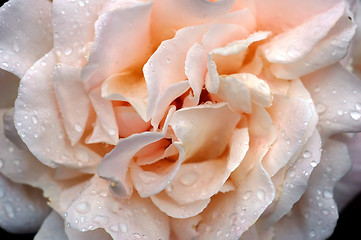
(9, 84)
(73, 24)
(52, 228)
(87, 235)
(315, 215)
(335, 116)
(38, 123)
(27, 36)
(113, 31)
(135, 218)
(23, 208)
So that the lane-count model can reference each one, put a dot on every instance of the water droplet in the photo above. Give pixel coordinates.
(312, 234)
(1, 163)
(325, 212)
(358, 106)
(189, 178)
(169, 188)
(9, 210)
(112, 132)
(320, 108)
(11, 149)
(355, 115)
(81, 3)
(261, 195)
(16, 47)
(103, 194)
(313, 164)
(78, 127)
(68, 51)
(327, 194)
(291, 173)
(5, 64)
(340, 112)
(83, 207)
(247, 195)
(136, 235)
(56, 35)
(34, 119)
(307, 154)
(123, 227)
(288, 141)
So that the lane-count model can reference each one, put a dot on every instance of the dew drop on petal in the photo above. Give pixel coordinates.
(189, 178)
(1, 163)
(9, 210)
(261, 195)
(355, 115)
(327, 194)
(83, 207)
(247, 195)
(320, 108)
(68, 51)
(312, 234)
(313, 164)
(78, 128)
(306, 154)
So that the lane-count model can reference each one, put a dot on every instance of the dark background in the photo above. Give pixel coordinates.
(348, 224)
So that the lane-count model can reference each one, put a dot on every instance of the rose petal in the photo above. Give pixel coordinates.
(9, 84)
(107, 125)
(204, 130)
(73, 25)
(127, 87)
(96, 234)
(95, 208)
(24, 215)
(335, 116)
(200, 181)
(173, 209)
(38, 123)
(52, 228)
(70, 89)
(113, 31)
(315, 214)
(185, 228)
(26, 36)
(129, 121)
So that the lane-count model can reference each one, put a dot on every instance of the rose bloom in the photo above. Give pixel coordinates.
(167, 119)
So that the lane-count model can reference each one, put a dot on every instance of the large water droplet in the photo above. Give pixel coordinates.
(261, 195)
(313, 164)
(189, 178)
(68, 51)
(306, 154)
(320, 108)
(247, 195)
(83, 207)
(355, 115)
(327, 194)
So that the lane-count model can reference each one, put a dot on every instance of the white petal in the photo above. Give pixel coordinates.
(52, 228)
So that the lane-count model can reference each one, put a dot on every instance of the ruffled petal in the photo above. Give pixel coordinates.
(96, 208)
(23, 207)
(52, 228)
(96, 234)
(73, 25)
(185, 228)
(341, 112)
(26, 36)
(204, 130)
(38, 123)
(9, 84)
(315, 215)
(69, 89)
(113, 31)
(129, 121)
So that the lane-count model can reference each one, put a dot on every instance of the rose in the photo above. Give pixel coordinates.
(216, 107)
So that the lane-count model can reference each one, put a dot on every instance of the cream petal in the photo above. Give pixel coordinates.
(24, 215)
(113, 31)
(204, 130)
(9, 87)
(129, 121)
(52, 228)
(114, 166)
(96, 234)
(38, 123)
(295, 180)
(341, 112)
(105, 117)
(69, 89)
(185, 228)
(295, 44)
(73, 26)
(230, 214)
(330, 50)
(291, 126)
(195, 69)
(26, 36)
(173, 209)
(95, 207)
(129, 88)
(315, 215)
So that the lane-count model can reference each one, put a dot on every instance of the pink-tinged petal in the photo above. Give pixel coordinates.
(122, 219)
(96, 234)
(69, 89)
(236, 93)
(38, 123)
(129, 121)
(295, 44)
(262, 134)
(196, 69)
(295, 179)
(200, 181)
(73, 26)
(127, 87)
(9, 84)
(230, 214)
(114, 166)
(350, 185)
(173, 209)
(113, 31)
(282, 15)
(185, 228)
(26, 36)
(330, 50)
(342, 111)
(108, 131)
(290, 126)
(169, 16)
(204, 130)
(52, 228)
(24, 215)
(315, 215)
